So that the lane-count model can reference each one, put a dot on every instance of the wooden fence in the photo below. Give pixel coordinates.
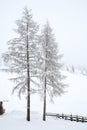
(69, 117)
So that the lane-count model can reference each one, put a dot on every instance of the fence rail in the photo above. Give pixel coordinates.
(68, 117)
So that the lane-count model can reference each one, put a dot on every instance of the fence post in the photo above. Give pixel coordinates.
(65, 117)
(82, 119)
(62, 115)
(71, 117)
(58, 115)
(77, 118)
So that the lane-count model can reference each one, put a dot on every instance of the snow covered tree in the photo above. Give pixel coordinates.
(51, 77)
(22, 56)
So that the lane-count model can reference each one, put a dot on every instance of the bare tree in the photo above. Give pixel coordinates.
(51, 76)
(22, 57)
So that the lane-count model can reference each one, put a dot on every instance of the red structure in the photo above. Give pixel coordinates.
(2, 110)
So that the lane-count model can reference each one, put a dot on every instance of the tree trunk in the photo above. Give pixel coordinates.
(28, 80)
(44, 105)
(28, 108)
(28, 98)
(45, 82)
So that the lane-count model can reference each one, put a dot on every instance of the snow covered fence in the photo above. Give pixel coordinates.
(68, 117)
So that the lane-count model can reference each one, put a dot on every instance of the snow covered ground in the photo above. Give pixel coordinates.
(16, 121)
(74, 101)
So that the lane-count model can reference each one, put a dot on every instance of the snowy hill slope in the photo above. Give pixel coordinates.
(74, 101)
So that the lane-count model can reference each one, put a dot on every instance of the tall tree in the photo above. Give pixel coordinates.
(22, 56)
(51, 76)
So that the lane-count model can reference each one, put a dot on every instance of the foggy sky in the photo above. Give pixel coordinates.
(68, 18)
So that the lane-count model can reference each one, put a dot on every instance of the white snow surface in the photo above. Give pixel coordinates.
(73, 101)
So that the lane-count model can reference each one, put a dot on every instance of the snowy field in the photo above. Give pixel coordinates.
(74, 101)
